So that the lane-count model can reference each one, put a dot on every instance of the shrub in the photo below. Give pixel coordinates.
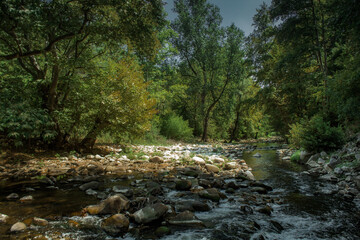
(174, 127)
(316, 135)
(296, 156)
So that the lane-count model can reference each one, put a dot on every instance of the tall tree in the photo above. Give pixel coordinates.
(210, 56)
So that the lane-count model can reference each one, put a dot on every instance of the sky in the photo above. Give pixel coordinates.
(239, 12)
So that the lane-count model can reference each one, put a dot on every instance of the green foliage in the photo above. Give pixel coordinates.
(316, 135)
(296, 156)
(175, 127)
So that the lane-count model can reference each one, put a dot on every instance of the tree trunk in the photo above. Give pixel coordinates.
(89, 141)
(233, 133)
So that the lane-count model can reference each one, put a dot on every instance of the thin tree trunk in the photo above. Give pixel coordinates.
(237, 120)
(89, 141)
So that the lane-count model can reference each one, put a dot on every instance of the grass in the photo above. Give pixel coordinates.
(296, 156)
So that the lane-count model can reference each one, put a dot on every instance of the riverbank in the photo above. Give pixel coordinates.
(340, 168)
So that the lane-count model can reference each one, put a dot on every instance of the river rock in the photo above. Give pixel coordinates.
(40, 222)
(257, 155)
(156, 159)
(26, 198)
(12, 196)
(116, 225)
(183, 185)
(231, 165)
(312, 164)
(123, 190)
(150, 213)
(192, 206)
(260, 190)
(112, 205)
(249, 175)
(259, 184)
(333, 162)
(218, 160)
(91, 192)
(232, 185)
(92, 185)
(212, 194)
(212, 168)
(277, 226)
(154, 188)
(198, 160)
(3, 218)
(186, 219)
(265, 210)
(18, 227)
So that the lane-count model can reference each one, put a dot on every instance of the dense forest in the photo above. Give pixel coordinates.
(74, 72)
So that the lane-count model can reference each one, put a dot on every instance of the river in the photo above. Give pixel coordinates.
(302, 208)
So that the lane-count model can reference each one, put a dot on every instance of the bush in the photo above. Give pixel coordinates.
(174, 127)
(316, 135)
(296, 156)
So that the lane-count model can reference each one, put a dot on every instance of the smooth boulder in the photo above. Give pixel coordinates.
(150, 213)
(116, 225)
(112, 205)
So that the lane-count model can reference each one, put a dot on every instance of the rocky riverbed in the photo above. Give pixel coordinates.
(176, 192)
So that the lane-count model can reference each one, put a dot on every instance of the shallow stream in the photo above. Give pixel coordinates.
(304, 208)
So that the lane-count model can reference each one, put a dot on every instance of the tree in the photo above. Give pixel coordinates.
(210, 57)
(54, 44)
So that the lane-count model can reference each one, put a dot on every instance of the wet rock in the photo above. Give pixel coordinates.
(191, 172)
(112, 205)
(91, 192)
(260, 190)
(156, 159)
(18, 227)
(259, 184)
(230, 190)
(162, 231)
(92, 185)
(3, 218)
(27, 198)
(40, 222)
(277, 226)
(12, 196)
(212, 194)
(257, 155)
(186, 219)
(94, 169)
(232, 185)
(154, 188)
(264, 210)
(192, 206)
(198, 160)
(329, 177)
(246, 209)
(28, 189)
(212, 168)
(183, 185)
(150, 213)
(116, 225)
(123, 190)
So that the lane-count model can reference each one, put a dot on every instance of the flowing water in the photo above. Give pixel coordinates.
(302, 209)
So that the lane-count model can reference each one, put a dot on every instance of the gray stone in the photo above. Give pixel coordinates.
(338, 171)
(186, 219)
(333, 162)
(12, 196)
(3, 218)
(150, 213)
(92, 185)
(312, 164)
(212, 194)
(192, 206)
(321, 161)
(91, 192)
(257, 155)
(18, 227)
(260, 190)
(27, 198)
(264, 210)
